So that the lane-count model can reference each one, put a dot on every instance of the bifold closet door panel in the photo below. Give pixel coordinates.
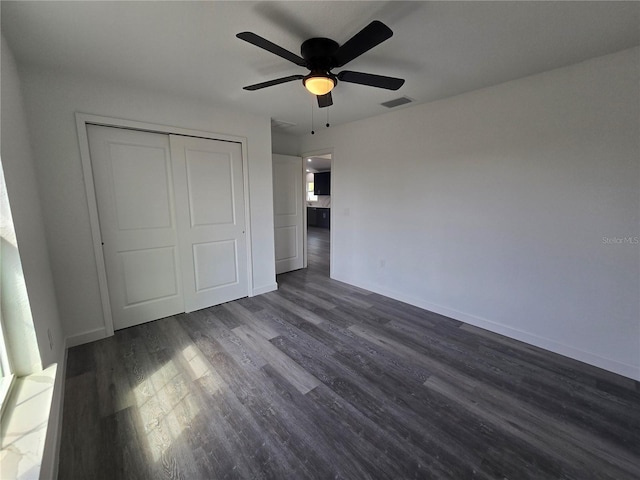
(133, 180)
(209, 192)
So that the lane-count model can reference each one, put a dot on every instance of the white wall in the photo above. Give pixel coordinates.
(18, 164)
(285, 144)
(491, 207)
(52, 99)
(38, 314)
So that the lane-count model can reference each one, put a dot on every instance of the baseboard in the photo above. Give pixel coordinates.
(621, 368)
(86, 337)
(265, 289)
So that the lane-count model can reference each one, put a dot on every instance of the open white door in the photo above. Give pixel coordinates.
(134, 192)
(288, 202)
(209, 194)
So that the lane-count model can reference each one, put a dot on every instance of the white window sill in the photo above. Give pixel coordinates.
(24, 425)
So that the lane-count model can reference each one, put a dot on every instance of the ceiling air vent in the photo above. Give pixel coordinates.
(281, 124)
(397, 102)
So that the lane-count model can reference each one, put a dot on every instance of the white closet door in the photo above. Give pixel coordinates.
(209, 190)
(287, 211)
(134, 189)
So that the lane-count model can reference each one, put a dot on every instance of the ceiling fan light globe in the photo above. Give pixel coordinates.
(319, 85)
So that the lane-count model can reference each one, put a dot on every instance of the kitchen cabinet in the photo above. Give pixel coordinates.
(312, 217)
(322, 183)
(319, 217)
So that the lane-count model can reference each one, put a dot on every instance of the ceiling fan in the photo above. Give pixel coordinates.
(321, 55)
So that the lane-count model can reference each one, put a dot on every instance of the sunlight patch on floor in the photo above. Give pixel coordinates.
(166, 408)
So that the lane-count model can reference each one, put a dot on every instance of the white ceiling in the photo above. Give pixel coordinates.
(440, 48)
(319, 163)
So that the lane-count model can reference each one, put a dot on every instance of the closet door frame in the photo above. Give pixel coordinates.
(82, 120)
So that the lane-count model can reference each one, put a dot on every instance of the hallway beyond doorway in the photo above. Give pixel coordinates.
(318, 250)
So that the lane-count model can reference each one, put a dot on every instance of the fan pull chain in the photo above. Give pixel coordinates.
(328, 117)
(312, 131)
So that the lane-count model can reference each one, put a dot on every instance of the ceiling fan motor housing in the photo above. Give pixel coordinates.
(319, 53)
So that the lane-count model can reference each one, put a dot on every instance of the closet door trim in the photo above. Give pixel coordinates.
(82, 120)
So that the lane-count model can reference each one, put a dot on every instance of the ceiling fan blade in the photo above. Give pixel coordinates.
(373, 34)
(277, 81)
(258, 41)
(325, 100)
(379, 81)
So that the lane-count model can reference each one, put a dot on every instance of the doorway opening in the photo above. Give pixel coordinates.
(318, 171)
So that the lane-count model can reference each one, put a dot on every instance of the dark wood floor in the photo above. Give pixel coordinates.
(318, 248)
(322, 380)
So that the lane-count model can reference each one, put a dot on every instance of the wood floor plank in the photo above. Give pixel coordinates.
(271, 411)
(299, 377)
(236, 440)
(301, 297)
(337, 294)
(112, 383)
(379, 406)
(526, 379)
(264, 327)
(161, 396)
(345, 343)
(214, 335)
(339, 427)
(122, 432)
(279, 303)
(569, 448)
(591, 443)
(79, 445)
(310, 281)
(325, 380)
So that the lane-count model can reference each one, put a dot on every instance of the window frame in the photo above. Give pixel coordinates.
(6, 371)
